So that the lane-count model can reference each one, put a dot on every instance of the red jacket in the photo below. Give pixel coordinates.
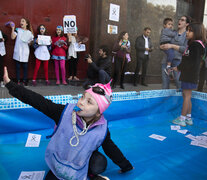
(56, 50)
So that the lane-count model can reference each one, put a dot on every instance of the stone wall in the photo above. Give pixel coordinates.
(134, 16)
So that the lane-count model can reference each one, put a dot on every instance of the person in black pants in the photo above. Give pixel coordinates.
(202, 76)
(97, 162)
(143, 46)
(121, 49)
(100, 70)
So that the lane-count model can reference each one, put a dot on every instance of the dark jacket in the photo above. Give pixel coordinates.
(119, 51)
(140, 46)
(54, 111)
(100, 64)
(190, 64)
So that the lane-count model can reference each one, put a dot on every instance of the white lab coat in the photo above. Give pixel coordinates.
(71, 49)
(21, 48)
(42, 53)
(2, 46)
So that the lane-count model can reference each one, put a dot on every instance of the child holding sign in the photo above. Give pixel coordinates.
(73, 55)
(42, 54)
(59, 46)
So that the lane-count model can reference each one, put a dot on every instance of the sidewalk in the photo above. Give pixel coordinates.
(54, 89)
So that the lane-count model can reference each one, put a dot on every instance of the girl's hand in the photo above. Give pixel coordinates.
(120, 42)
(6, 77)
(37, 40)
(69, 34)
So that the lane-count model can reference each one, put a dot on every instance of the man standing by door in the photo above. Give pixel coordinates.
(143, 46)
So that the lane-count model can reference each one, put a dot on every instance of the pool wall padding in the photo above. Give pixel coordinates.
(132, 118)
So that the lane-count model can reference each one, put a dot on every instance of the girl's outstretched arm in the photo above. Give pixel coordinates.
(34, 99)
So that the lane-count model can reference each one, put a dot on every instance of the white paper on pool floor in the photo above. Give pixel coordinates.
(158, 137)
(173, 127)
(32, 175)
(33, 140)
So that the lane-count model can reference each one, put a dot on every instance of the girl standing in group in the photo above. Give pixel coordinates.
(73, 56)
(189, 68)
(59, 48)
(121, 58)
(42, 54)
(24, 37)
(3, 38)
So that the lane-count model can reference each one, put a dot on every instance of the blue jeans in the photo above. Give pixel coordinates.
(166, 79)
(18, 66)
(170, 55)
(103, 77)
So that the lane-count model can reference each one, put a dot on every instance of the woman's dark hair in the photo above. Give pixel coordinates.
(199, 32)
(29, 26)
(121, 35)
(38, 29)
(105, 49)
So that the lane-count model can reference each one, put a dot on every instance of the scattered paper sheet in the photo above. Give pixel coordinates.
(173, 127)
(182, 131)
(205, 133)
(190, 136)
(199, 143)
(33, 140)
(158, 137)
(32, 175)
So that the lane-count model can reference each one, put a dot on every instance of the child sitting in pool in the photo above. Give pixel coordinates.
(93, 103)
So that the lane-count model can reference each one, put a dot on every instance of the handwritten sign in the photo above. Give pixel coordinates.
(44, 40)
(69, 24)
(79, 47)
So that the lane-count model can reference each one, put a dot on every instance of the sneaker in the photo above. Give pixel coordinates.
(25, 83)
(2, 84)
(34, 83)
(47, 83)
(64, 83)
(57, 82)
(189, 121)
(76, 78)
(70, 78)
(99, 177)
(18, 82)
(178, 121)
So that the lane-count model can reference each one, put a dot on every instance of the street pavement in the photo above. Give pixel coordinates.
(75, 88)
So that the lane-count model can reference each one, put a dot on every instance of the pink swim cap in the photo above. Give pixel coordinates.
(102, 94)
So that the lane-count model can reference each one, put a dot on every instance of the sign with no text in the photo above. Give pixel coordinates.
(69, 24)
